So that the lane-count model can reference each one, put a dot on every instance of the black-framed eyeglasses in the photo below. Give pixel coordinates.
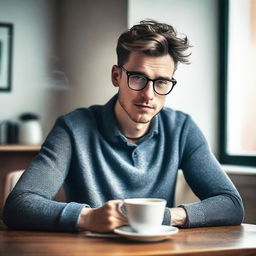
(137, 82)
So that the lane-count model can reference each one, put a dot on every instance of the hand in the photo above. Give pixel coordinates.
(178, 216)
(103, 219)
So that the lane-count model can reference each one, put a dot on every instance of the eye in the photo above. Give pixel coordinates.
(162, 83)
(138, 78)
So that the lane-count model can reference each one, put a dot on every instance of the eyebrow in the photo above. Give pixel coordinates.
(143, 74)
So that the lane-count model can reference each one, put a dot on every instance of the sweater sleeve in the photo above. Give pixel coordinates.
(30, 204)
(220, 202)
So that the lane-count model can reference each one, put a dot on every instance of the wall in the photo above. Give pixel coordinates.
(197, 87)
(64, 51)
(33, 48)
(63, 54)
(88, 34)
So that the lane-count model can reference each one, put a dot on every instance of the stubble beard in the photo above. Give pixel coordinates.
(137, 121)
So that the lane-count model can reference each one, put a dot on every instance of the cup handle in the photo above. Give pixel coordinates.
(121, 208)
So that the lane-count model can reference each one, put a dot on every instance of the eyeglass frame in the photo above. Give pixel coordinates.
(129, 73)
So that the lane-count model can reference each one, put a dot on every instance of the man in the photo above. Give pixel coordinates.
(131, 147)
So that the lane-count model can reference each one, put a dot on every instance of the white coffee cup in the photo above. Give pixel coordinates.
(145, 215)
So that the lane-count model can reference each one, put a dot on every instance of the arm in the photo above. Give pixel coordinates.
(30, 204)
(220, 202)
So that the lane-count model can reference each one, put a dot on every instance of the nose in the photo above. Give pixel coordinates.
(148, 91)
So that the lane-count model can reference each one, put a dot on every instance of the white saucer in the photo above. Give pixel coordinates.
(163, 234)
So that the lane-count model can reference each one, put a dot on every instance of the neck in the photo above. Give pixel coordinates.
(131, 130)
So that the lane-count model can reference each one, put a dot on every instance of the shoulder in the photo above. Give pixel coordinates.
(83, 112)
(179, 123)
(81, 116)
(174, 117)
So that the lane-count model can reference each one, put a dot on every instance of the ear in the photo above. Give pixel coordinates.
(115, 75)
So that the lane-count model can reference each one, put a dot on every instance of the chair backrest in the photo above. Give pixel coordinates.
(11, 179)
(183, 193)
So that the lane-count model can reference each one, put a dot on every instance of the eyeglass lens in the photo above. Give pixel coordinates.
(139, 82)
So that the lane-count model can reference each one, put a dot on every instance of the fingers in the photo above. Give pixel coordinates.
(112, 208)
(105, 218)
(115, 218)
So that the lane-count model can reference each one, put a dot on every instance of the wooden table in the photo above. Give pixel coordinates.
(232, 240)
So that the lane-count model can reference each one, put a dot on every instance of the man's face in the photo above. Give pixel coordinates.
(142, 106)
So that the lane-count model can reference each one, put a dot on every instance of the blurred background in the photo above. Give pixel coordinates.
(63, 52)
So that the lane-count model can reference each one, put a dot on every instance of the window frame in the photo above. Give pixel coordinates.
(224, 157)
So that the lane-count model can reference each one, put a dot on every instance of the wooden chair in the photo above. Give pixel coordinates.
(183, 193)
(11, 179)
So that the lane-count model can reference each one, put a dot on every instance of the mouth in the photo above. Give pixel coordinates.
(144, 107)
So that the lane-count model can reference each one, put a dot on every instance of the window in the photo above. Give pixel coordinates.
(238, 82)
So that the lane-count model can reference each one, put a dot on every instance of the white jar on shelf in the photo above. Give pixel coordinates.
(30, 130)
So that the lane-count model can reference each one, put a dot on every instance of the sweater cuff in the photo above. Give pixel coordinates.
(195, 215)
(167, 217)
(69, 216)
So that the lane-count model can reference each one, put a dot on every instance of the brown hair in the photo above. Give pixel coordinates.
(154, 39)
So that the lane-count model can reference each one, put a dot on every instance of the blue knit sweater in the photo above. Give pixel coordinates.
(86, 151)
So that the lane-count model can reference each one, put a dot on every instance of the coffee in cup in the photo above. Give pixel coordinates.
(145, 215)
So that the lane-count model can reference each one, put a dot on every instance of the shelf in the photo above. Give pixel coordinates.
(19, 148)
